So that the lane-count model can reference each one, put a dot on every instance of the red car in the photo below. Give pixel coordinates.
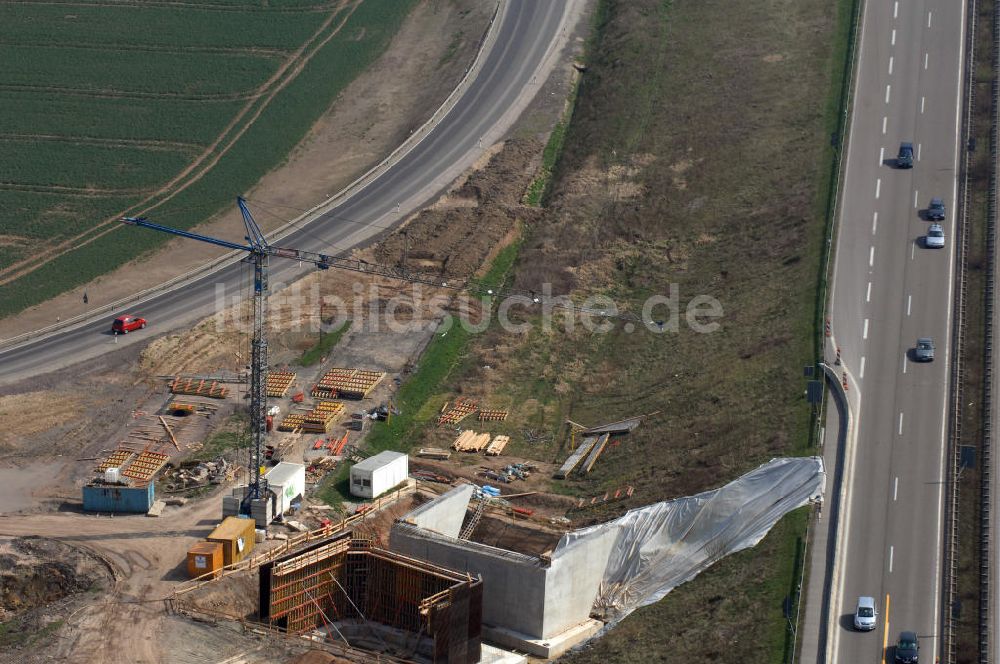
(127, 323)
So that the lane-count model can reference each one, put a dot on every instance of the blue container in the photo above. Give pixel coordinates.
(107, 498)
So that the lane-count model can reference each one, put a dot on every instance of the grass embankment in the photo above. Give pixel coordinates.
(233, 435)
(420, 397)
(699, 160)
(138, 141)
(324, 345)
(981, 166)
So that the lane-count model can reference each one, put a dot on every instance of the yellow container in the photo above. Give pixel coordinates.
(237, 538)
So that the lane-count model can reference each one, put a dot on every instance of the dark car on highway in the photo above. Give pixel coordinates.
(935, 211)
(905, 157)
(907, 648)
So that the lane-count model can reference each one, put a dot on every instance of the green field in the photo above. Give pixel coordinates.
(105, 104)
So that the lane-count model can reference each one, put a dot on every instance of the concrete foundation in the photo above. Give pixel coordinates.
(544, 648)
(529, 600)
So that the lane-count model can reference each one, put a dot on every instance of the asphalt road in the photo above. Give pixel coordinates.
(528, 34)
(887, 291)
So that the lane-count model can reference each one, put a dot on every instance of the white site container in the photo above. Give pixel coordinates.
(112, 475)
(287, 481)
(376, 475)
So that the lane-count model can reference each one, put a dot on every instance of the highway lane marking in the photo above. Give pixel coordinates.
(901, 424)
(895, 9)
(861, 372)
(874, 222)
(890, 65)
(928, 19)
(871, 256)
(868, 296)
(894, 36)
(922, 104)
(925, 61)
(878, 187)
(913, 248)
(881, 156)
(909, 301)
(885, 633)
(919, 145)
(887, 89)
(864, 334)
(904, 362)
(891, 551)
(895, 489)
(915, 192)
(884, 121)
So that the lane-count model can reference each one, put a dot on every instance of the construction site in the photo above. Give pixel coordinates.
(249, 491)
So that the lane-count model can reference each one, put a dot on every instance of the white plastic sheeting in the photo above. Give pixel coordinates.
(660, 546)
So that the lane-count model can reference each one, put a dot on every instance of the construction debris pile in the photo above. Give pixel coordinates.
(198, 475)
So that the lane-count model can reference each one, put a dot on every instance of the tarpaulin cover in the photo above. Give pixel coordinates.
(660, 546)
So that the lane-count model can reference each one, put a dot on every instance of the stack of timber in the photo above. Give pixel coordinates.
(470, 441)
(457, 411)
(496, 447)
(574, 459)
(278, 383)
(347, 383)
(434, 453)
(494, 415)
(318, 420)
(201, 388)
(599, 446)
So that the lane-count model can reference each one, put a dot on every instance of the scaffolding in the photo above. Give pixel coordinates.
(349, 581)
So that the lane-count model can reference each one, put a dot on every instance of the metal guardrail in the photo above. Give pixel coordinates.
(229, 258)
(986, 636)
(957, 377)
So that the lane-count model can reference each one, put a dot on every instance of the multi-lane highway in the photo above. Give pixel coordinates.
(888, 290)
(529, 36)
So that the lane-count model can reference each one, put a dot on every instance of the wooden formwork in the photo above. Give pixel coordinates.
(117, 459)
(497, 445)
(492, 415)
(345, 383)
(202, 388)
(278, 383)
(458, 410)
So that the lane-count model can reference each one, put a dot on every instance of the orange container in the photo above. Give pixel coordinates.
(204, 557)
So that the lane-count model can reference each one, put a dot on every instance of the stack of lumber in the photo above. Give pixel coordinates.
(434, 453)
(318, 420)
(457, 411)
(594, 453)
(470, 441)
(347, 383)
(201, 388)
(496, 447)
(278, 383)
(492, 415)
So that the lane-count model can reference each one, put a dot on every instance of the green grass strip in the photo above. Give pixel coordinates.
(323, 346)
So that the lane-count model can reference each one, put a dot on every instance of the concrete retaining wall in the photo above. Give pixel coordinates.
(444, 515)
